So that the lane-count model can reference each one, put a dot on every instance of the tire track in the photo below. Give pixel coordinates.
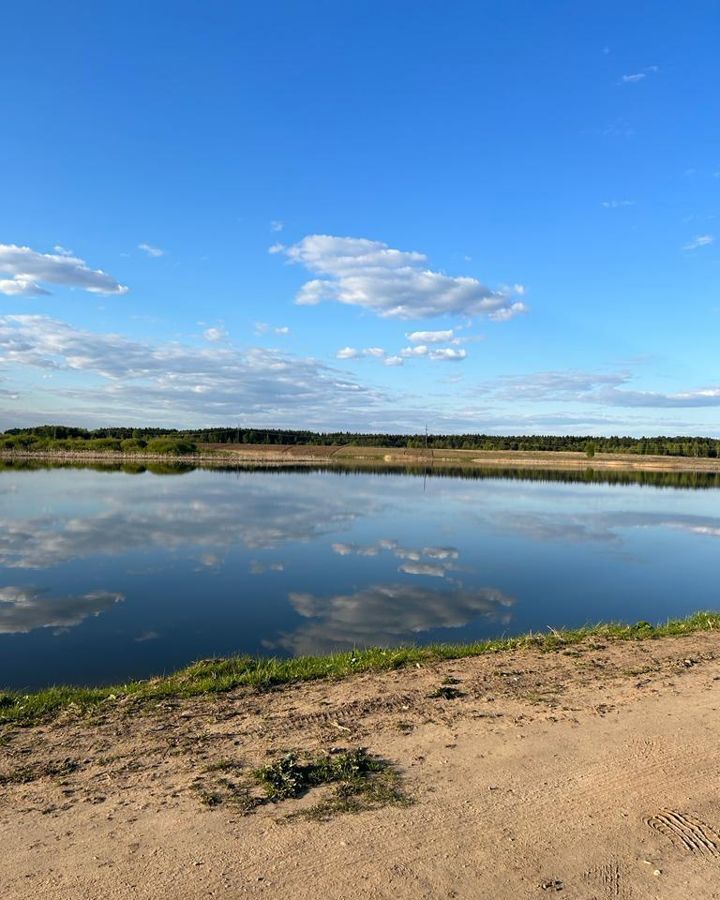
(687, 832)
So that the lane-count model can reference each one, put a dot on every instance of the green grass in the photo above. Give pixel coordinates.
(217, 675)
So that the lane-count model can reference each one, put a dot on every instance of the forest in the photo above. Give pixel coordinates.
(185, 441)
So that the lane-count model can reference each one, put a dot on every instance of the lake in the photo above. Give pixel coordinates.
(111, 574)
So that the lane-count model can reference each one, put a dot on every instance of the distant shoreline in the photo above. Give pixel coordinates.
(338, 455)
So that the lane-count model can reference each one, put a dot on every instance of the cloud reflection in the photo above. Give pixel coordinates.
(387, 615)
(26, 609)
(205, 516)
(413, 564)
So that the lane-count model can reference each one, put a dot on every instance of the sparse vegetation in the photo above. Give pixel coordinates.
(27, 774)
(217, 675)
(446, 692)
(359, 780)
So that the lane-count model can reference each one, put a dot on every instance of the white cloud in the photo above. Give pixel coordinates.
(29, 270)
(348, 353)
(701, 240)
(176, 382)
(606, 389)
(391, 283)
(561, 385)
(414, 352)
(635, 77)
(448, 354)
(430, 337)
(215, 334)
(276, 225)
(420, 351)
(354, 353)
(617, 204)
(155, 252)
(509, 312)
(265, 328)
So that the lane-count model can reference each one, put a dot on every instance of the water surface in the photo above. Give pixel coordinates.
(106, 575)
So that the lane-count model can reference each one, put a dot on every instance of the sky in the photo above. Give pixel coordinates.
(376, 215)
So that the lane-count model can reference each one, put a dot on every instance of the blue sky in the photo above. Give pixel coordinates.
(495, 216)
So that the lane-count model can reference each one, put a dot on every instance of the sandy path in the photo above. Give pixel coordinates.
(588, 775)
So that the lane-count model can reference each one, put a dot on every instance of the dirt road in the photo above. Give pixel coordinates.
(590, 774)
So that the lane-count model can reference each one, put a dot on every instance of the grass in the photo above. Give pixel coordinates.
(212, 676)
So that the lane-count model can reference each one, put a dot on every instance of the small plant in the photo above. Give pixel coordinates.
(361, 781)
(445, 692)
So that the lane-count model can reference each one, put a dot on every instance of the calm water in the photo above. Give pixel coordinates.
(107, 575)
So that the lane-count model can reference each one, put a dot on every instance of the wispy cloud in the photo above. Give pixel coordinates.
(29, 270)
(214, 334)
(265, 328)
(175, 381)
(607, 389)
(617, 204)
(635, 77)
(701, 240)
(392, 283)
(155, 252)
(276, 225)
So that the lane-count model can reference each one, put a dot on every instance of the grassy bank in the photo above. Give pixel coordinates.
(217, 675)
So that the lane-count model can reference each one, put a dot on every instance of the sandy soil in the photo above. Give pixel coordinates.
(588, 774)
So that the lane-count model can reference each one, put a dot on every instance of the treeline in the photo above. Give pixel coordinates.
(659, 446)
(65, 439)
(683, 480)
(185, 441)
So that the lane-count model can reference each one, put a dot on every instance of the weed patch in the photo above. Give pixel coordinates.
(446, 692)
(357, 779)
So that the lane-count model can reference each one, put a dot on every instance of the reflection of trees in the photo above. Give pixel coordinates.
(25, 609)
(698, 480)
(387, 615)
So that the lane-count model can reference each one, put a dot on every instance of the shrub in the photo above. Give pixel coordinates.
(132, 445)
(170, 446)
